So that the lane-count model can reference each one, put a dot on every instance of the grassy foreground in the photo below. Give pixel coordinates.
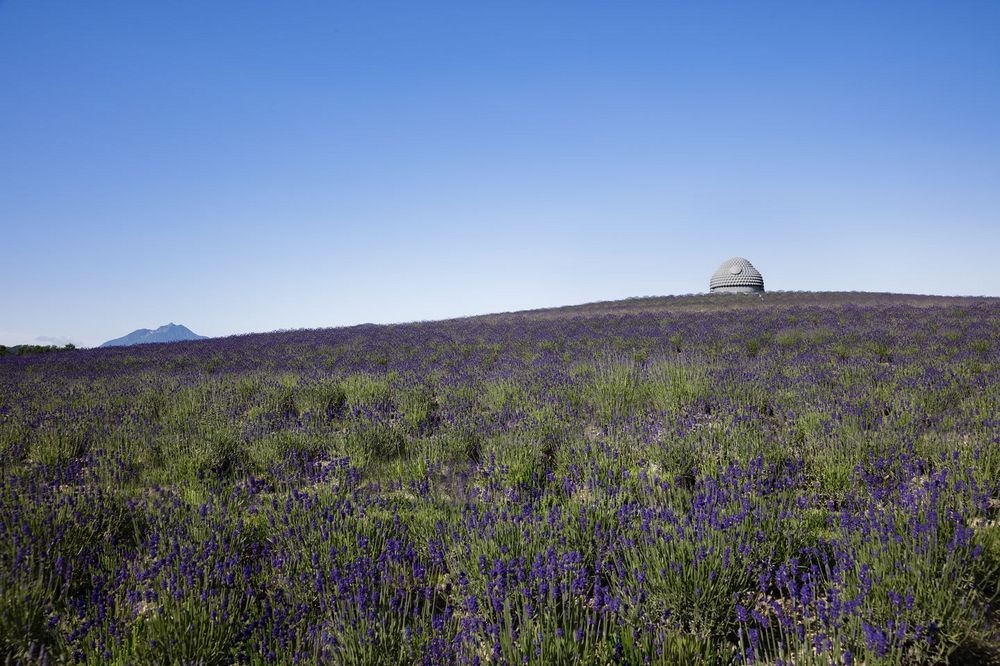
(800, 479)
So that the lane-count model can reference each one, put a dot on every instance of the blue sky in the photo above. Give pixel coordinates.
(253, 166)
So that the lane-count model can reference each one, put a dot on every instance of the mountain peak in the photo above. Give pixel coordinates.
(167, 333)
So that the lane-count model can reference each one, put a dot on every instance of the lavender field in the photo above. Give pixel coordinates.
(798, 479)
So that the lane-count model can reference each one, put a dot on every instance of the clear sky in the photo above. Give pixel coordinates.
(242, 166)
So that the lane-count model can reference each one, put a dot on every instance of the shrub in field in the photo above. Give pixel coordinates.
(366, 390)
(27, 633)
(188, 630)
(621, 388)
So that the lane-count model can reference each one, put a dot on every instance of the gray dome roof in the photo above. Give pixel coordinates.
(736, 275)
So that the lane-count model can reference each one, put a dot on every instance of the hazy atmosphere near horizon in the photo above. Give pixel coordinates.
(241, 167)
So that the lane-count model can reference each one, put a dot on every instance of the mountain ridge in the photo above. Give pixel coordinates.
(167, 333)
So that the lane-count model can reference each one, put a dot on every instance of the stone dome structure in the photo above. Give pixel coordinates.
(736, 276)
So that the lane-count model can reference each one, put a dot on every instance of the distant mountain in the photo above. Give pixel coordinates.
(168, 333)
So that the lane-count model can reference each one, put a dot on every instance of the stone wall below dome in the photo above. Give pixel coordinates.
(737, 290)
